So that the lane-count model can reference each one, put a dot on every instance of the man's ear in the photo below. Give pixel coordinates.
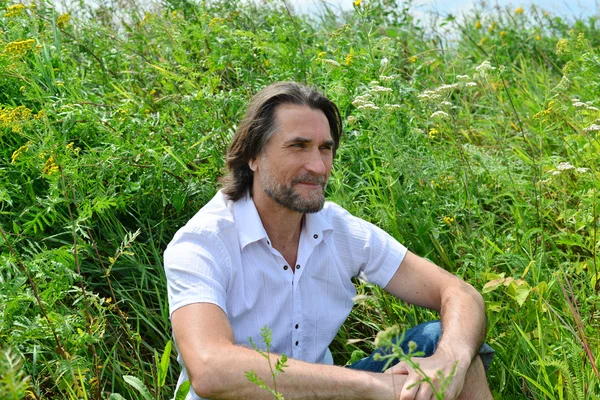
(253, 164)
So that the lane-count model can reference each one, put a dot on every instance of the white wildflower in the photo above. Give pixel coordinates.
(330, 62)
(446, 103)
(484, 67)
(368, 106)
(374, 83)
(361, 100)
(563, 166)
(447, 88)
(423, 96)
(501, 68)
(563, 84)
(351, 120)
(578, 104)
(440, 115)
(582, 170)
(575, 100)
(471, 84)
(392, 106)
(592, 108)
(462, 77)
(592, 128)
(380, 89)
(384, 62)
(384, 78)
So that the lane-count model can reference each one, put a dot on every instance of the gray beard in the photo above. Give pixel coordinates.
(286, 196)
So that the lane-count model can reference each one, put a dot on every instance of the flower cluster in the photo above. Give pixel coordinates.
(13, 117)
(19, 47)
(586, 106)
(440, 115)
(63, 20)
(592, 128)
(50, 166)
(19, 151)
(482, 70)
(14, 10)
(566, 166)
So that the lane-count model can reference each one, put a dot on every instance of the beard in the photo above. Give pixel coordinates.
(287, 196)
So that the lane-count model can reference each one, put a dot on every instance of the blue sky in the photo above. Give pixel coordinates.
(563, 8)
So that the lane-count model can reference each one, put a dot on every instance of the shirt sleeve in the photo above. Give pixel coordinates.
(368, 250)
(197, 267)
(384, 255)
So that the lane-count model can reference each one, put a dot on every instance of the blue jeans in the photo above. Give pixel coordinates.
(426, 336)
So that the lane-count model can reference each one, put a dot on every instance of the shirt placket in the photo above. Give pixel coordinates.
(308, 241)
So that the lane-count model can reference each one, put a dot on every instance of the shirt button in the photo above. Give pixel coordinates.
(298, 266)
(285, 267)
(268, 242)
(296, 343)
(296, 326)
(315, 236)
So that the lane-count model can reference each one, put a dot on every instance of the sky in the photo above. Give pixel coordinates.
(563, 8)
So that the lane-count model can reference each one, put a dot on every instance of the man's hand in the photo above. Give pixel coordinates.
(439, 367)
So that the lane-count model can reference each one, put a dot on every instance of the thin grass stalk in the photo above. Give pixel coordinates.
(59, 346)
(573, 307)
(298, 35)
(85, 298)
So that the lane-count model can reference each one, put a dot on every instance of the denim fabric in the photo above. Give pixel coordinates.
(426, 336)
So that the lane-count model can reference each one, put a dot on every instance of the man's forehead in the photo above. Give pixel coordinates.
(294, 120)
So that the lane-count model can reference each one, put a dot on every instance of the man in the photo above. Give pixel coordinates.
(268, 251)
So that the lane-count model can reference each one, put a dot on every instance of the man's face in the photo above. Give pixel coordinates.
(295, 164)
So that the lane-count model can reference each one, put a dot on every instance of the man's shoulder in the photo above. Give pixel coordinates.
(339, 218)
(215, 218)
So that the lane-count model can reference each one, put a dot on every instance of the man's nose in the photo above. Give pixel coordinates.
(315, 163)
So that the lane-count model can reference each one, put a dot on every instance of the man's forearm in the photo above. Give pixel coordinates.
(225, 378)
(463, 321)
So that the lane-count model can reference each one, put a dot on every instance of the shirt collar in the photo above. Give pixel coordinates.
(250, 227)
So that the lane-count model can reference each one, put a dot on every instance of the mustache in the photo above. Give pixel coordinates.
(318, 180)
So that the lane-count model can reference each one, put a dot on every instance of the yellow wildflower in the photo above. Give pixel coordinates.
(19, 151)
(448, 220)
(478, 25)
(546, 13)
(321, 54)
(15, 10)
(431, 135)
(349, 57)
(492, 27)
(63, 20)
(50, 166)
(14, 117)
(357, 3)
(482, 41)
(413, 59)
(19, 47)
(538, 37)
(503, 33)
(519, 10)
(562, 46)
(70, 146)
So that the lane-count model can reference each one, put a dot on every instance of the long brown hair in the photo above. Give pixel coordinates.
(258, 125)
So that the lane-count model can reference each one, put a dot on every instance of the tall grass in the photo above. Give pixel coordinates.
(474, 141)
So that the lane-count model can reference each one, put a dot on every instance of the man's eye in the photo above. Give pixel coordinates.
(298, 145)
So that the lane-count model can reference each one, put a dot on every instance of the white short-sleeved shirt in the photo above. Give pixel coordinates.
(223, 256)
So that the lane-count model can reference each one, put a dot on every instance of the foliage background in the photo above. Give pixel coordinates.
(472, 140)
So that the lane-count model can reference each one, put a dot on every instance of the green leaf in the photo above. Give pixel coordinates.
(139, 385)
(116, 396)
(183, 390)
(163, 367)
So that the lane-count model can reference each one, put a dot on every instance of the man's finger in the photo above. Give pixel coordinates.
(410, 389)
(401, 368)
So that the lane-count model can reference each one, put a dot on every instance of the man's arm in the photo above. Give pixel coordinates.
(462, 312)
(217, 367)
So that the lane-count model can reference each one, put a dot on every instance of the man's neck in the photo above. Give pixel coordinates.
(282, 225)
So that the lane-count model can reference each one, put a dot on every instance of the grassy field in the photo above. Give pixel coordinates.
(474, 141)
